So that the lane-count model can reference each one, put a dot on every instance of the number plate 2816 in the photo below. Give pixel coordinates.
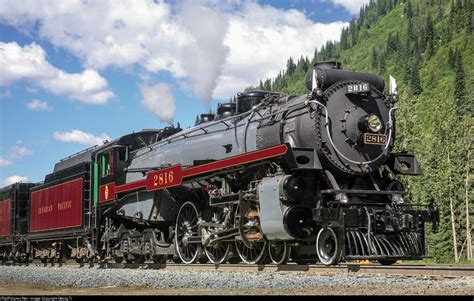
(378, 139)
(164, 178)
(358, 88)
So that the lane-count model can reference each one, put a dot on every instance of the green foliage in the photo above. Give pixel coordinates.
(429, 47)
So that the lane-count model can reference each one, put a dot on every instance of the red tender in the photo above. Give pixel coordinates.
(57, 207)
(5, 215)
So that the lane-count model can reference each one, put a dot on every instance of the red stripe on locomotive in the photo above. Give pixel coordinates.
(57, 207)
(173, 176)
(5, 217)
(236, 160)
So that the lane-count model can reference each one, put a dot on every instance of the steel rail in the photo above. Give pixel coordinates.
(398, 270)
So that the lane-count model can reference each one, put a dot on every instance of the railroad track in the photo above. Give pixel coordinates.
(398, 270)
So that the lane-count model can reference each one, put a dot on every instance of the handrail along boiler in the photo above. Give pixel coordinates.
(272, 178)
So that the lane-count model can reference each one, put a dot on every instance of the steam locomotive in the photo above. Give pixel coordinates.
(269, 178)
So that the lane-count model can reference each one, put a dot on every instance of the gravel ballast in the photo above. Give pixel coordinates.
(215, 280)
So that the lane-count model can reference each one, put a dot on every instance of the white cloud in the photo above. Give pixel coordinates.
(262, 38)
(352, 6)
(38, 105)
(29, 63)
(18, 151)
(13, 179)
(159, 100)
(80, 137)
(4, 162)
(211, 44)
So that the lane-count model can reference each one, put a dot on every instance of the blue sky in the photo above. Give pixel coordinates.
(73, 74)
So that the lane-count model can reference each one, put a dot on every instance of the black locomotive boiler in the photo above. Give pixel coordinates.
(270, 178)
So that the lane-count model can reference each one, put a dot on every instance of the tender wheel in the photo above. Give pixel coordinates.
(279, 252)
(328, 247)
(118, 259)
(255, 255)
(218, 253)
(187, 227)
(387, 261)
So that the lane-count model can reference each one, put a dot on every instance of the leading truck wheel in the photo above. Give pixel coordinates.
(279, 252)
(328, 247)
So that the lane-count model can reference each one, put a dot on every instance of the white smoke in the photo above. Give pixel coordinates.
(206, 54)
(159, 100)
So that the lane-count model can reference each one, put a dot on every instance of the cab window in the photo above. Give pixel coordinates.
(122, 154)
(106, 163)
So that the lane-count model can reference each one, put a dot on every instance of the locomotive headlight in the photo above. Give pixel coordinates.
(374, 123)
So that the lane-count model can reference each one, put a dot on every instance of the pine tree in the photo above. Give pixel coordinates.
(469, 21)
(382, 63)
(381, 7)
(352, 30)
(344, 39)
(410, 34)
(196, 122)
(440, 13)
(415, 81)
(267, 86)
(374, 59)
(451, 58)
(290, 66)
(460, 86)
(409, 10)
(430, 34)
(315, 57)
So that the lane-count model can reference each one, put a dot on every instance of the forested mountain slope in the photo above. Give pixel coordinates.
(428, 46)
